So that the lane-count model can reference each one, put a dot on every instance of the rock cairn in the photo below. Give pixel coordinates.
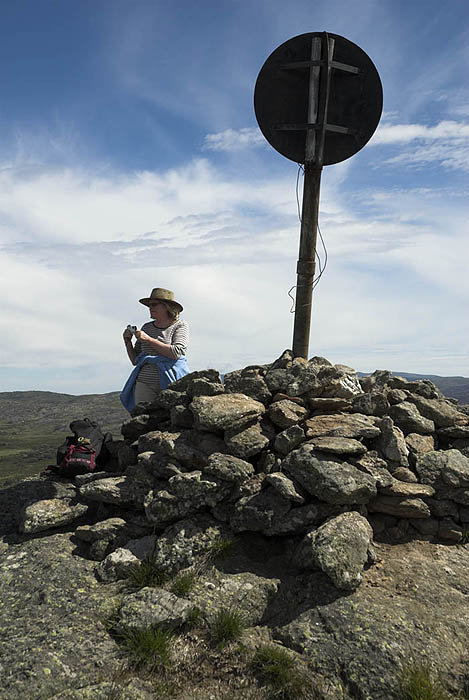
(299, 449)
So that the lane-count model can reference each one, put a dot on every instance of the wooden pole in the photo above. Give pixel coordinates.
(314, 148)
(306, 264)
(309, 217)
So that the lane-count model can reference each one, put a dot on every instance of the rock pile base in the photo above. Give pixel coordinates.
(303, 454)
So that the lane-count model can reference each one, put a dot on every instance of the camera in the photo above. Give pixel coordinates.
(132, 329)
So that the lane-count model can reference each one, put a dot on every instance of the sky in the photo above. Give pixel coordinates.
(130, 158)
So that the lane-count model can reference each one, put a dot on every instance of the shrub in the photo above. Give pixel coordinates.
(228, 626)
(149, 648)
(417, 682)
(278, 668)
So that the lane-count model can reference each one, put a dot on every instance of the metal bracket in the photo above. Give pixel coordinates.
(305, 267)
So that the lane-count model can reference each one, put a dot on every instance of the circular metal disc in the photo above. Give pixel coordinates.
(281, 97)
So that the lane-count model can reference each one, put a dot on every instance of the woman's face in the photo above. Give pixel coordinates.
(159, 313)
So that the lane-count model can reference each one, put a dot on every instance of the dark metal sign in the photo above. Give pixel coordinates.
(353, 101)
(318, 100)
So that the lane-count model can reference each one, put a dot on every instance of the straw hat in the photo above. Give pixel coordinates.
(161, 295)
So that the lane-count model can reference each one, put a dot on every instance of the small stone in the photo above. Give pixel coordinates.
(375, 404)
(285, 487)
(404, 474)
(228, 468)
(248, 441)
(441, 412)
(391, 444)
(448, 530)
(419, 444)
(328, 478)
(395, 396)
(289, 439)
(286, 413)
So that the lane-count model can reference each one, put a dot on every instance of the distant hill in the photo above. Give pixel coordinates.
(453, 387)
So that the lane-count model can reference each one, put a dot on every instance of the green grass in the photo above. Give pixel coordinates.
(148, 649)
(26, 449)
(227, 626)
(279, 670)
(221, 548)
(465, 535)
(418, 682)
(194, 618)
(183, 583)
(146, 574)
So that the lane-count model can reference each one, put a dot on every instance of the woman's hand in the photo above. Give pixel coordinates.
(127, 335)
(141, 335)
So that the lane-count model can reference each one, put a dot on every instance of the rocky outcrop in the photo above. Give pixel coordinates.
(320, 466)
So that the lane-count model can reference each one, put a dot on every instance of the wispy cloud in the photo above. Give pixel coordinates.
(405, 133)
(231, 140)
(444, 144)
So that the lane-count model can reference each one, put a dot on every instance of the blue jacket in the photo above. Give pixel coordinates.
(169, 371)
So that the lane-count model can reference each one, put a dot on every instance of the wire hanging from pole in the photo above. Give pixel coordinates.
(321, 267)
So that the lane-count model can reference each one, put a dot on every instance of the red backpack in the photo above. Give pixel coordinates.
(82, 451)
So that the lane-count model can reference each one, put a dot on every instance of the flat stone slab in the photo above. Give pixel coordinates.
(352, 425)
(225, 411)
(102, 530)
(406, 416)
(50, 513)
(120, 490)
(454, 431)
(400, 507)
(440, 411)
(150, 607)
(412, 490)
(338, 445)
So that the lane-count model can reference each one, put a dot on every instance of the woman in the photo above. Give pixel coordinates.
(159, 352)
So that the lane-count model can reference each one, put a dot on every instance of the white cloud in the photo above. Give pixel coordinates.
(445, 144)
(81, 250)
(231, 140)
(404, 133)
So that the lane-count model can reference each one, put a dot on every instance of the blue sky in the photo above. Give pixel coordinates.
(130, 158)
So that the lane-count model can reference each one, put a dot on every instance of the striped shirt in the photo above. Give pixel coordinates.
(176, 336)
